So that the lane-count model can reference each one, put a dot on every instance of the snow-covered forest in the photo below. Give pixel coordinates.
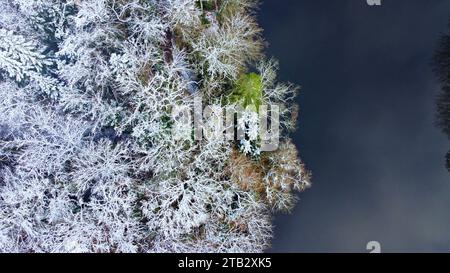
(88, 162)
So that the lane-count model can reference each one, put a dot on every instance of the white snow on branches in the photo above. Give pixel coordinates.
(87, 158)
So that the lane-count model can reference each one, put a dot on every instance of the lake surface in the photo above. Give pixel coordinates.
(366, 124)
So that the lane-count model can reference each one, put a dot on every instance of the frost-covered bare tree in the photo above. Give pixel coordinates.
(88, 162)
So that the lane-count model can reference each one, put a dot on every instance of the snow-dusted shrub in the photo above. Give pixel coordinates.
(88, 160)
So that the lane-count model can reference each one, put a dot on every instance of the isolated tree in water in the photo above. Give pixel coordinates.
(442, 68)
(88, 161)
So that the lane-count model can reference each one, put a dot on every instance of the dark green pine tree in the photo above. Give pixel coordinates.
(442, 68)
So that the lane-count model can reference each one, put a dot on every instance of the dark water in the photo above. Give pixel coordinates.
(366, 126)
